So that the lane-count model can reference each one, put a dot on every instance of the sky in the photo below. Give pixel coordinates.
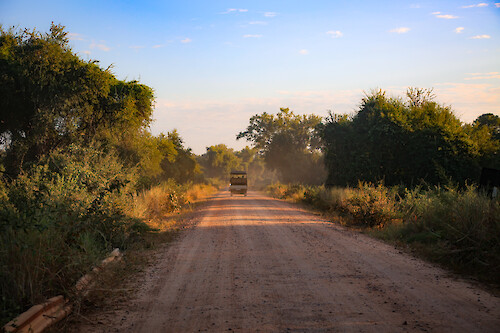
(214, 64)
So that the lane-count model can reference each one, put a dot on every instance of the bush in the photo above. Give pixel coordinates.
(57, 220)
(369, 205)
(462, 227)
(457, 228)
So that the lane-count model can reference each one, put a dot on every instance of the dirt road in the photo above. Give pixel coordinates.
(255, 264)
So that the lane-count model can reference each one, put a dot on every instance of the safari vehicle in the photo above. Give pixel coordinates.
(238, 183)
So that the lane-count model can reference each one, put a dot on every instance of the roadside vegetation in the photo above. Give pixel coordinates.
(80, 173)
(457, 228)
(406, 170)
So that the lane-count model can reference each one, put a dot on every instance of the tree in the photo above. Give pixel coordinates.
(51, 98)
(289, 143)
(219, 160)
(399, 141)
(485, 132)
(181, 166)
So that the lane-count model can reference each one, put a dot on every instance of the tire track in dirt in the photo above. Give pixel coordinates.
(256, 264)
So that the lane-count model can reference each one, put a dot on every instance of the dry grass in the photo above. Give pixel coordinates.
(459, 229)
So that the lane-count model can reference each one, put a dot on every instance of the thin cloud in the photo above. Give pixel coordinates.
(258, 23)
(481, 37)
(235, 10)
(459, 30)
(270, 14)
(497, 4)
(186, 40)
(102, 47)
(304, 52)
(415, 5)
(482, 4)
(136, 47)
(334, 33)
(469, 100)
(483, 76)
(74, 36)
(158, 46)
(252, 36)
(444, 16)
(87, 52)
(401, 30)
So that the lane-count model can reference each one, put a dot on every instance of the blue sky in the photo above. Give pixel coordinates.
(214, 64)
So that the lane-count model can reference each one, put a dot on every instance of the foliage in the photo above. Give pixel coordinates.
(219, 160)
(459, 229)
(180, 166)
(289, 144)
(404, 142)
(74, 149)
(52, 98)
(57, 219)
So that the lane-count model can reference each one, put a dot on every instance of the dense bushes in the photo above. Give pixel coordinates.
(407, 141)
(75, 149)
(57, 219)
(61, 216)
(457, 228)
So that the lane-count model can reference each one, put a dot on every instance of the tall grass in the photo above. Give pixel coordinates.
(60, 217)
(457, 228)
(160, 201)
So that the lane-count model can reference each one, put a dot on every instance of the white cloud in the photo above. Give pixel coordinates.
(401, 30)
(482, 4)
(74, 36)
(158, 46)
(270, 14)
(258, 23)
(304, 52)
(444, 16)
(481, 37)
(186, 40)
(447, 17)
(334, 33)
(102, 46)
(235, 10)
(483, 76)
(469, 100)
(252, 36)
(459, 30)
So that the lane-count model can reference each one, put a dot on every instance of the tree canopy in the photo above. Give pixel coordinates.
(51, 97)
(289, 143)
(406, 141)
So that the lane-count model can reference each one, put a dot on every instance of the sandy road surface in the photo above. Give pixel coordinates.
(255, 264)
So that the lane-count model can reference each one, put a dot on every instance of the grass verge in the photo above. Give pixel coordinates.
(66, 213)
(458, 229)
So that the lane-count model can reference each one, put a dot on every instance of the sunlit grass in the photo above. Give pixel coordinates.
(456, 228)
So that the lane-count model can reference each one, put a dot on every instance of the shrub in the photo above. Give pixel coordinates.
(463, 227)
(57, 219)
(369, 205)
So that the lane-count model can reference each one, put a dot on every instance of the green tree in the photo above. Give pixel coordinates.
(289, 143)
(485, 132)
(181, 166)
(399, 141)
(51, 98)
(219, 160)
